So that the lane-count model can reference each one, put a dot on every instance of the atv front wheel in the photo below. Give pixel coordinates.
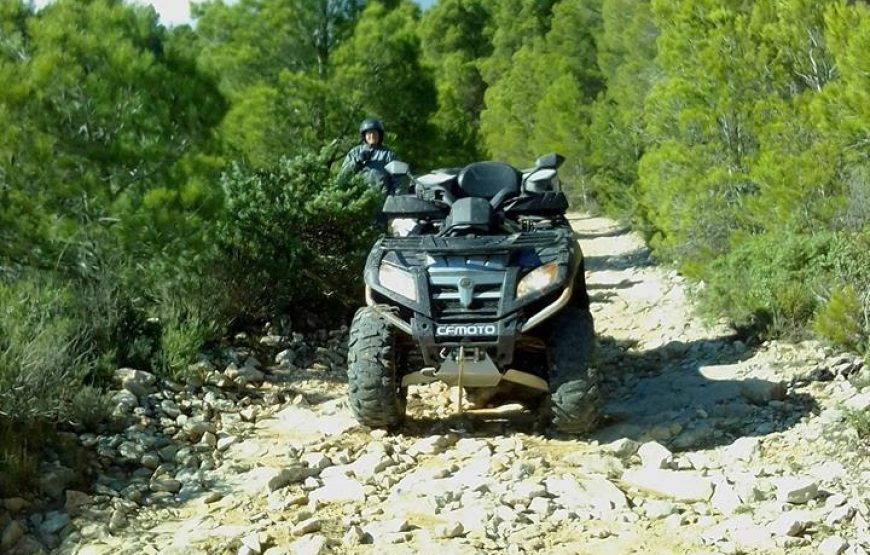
(574, 383)
(376, 396)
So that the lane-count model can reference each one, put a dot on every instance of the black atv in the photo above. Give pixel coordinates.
(483, 277)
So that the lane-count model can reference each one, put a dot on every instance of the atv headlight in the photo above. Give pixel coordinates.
(398, 281)
(538, 279)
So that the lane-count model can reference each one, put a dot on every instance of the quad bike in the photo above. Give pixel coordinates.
(485, 286)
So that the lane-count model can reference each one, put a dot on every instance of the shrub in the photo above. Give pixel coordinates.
(843, 319)
(187, 323)
(293, 239)
(44, 360)
(42, 353)
(767, 283)
(780, 282)
(860, 420)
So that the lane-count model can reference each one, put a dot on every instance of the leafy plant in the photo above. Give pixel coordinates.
(860, 420)
(292, 237)
(843, 320)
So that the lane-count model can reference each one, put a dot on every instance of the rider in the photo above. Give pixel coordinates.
(371, 155)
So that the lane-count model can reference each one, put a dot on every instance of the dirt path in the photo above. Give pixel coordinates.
(708, 446)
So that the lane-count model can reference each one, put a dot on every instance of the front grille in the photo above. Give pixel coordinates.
(447, 296)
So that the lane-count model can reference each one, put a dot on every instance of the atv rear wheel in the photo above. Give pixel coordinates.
(376, 396)
(574, 383)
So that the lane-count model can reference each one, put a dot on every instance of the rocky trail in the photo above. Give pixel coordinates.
(707, 446)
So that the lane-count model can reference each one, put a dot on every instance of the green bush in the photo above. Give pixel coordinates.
(843, 319)
(44, 361)
(188, 322)
(781, 282)
(293, 239)
(860, 420)
(42, 349)
(766, 284)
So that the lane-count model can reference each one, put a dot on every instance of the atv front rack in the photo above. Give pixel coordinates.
(486, 244)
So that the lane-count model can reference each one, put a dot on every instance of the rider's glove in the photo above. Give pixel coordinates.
(362, 158)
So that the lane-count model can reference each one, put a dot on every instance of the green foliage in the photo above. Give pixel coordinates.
(42, 351)
(775, 283)
(19, 457)
(768, 283)
(617, 137)
(541, 102)
(860, 420)
(292, 236)
(379, 72)
(454, 37)
(842, 319)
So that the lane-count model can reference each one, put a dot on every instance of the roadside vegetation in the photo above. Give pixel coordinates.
(163, 188)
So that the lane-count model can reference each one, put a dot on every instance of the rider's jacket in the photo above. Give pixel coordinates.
(373, 160)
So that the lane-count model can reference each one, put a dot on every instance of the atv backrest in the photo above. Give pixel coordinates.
(487, 179)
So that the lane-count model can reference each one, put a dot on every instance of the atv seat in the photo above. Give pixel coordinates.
(488, 179)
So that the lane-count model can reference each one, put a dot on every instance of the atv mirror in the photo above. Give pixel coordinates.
(397, 168)
(551, 160)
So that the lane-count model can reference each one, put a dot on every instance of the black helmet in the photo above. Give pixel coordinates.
(372, 124)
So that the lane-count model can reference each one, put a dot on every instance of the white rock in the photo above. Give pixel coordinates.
(316, 460)
(656, 509)
(595, 463)
(473, 518)
(339, 489)
(249, 414)
(684, 487)
(750, 489)
(828, 472)
(388, 531)
(791, 523)
(725, 500)
(469, 446)
(306, 526)
(268, 479)
(354, 536)
(796, 489)
(594, 492)
(654, 455)
(370, 464)
(743, 532)
(623, 448)
(541, 506)
(449, 530)
(839, 514)
(224, 443)
(859, 402)
(432, 445)
(251, 544)
(743, 449)
(410, 505)
(314, 544)
(525, 491)
(833, 545)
